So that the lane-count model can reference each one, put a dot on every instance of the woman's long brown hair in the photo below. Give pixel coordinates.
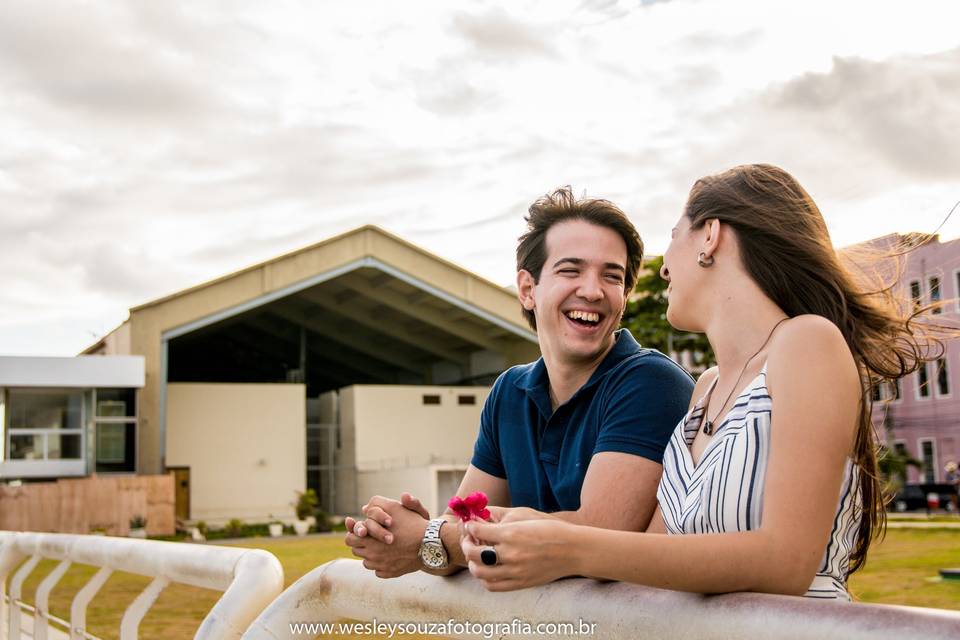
(786, 249)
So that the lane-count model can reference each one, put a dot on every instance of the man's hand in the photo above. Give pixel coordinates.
(504, 515)
(389, 539)
(378, 520)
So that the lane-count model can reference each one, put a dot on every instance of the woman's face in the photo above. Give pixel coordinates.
(684, 275)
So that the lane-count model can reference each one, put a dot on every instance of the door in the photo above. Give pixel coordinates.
(181, 483)
(448, 481)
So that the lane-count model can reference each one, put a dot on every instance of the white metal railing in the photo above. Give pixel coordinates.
(343, 589)
(249, 578)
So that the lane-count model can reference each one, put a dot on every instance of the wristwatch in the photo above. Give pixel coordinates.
(432, 553)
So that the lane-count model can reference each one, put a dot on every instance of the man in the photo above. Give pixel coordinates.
(579, 433)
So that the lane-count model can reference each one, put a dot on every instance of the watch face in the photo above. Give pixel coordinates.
(433, 555)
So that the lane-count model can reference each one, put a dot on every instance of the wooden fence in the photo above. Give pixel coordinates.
(86, 505)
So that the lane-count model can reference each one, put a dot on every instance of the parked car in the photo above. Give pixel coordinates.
(913, 497)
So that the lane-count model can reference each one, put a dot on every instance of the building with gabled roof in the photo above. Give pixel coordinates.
(245, 375)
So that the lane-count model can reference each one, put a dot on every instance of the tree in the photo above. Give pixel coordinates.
(892, 462)
(646, 318)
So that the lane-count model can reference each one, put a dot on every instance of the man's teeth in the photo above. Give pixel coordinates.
(584, 315)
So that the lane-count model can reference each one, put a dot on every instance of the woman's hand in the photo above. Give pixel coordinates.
(516, 514)
(529, 552)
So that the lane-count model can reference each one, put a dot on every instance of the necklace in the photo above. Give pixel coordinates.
(707, 423)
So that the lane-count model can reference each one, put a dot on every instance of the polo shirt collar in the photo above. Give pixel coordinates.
(535, 380)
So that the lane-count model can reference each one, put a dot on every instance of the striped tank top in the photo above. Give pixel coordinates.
(724, 491)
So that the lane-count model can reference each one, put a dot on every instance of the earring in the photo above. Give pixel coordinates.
(704, 260)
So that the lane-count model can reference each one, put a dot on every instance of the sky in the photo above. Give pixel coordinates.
(148, 146)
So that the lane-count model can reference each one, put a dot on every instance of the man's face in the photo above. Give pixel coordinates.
(580, 297)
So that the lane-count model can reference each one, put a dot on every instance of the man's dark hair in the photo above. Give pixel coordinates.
(560, 206)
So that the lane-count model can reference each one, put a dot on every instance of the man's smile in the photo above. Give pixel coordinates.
(584, 322)
(590, 317)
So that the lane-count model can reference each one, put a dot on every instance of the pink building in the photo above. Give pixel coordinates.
(922, 412)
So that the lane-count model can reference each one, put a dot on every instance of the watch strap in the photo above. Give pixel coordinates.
(432, 534)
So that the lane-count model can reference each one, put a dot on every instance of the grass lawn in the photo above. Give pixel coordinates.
(899, 569)
(898, 572)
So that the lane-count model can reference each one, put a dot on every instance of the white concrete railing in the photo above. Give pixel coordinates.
(343, 589)
(249, 578)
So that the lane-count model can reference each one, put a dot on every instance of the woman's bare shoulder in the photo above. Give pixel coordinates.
(808, 332)
(812, 345)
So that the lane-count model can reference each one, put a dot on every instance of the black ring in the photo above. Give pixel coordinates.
(489, 556)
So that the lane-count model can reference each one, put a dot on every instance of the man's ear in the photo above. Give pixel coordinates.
(525, 286)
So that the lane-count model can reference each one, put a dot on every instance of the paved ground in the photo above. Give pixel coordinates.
(918, 520)
(895, 524)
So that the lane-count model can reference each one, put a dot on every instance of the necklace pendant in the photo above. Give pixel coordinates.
(708, 427)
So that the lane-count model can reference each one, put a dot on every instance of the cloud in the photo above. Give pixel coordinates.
(859, 129)
(495, 33)
(149, 147)
(712, 41)
(447, 92)
(76, 59)
(904, 111)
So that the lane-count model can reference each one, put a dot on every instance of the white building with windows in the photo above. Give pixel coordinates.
(68, 417)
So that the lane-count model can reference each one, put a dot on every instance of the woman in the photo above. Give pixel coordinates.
(772, 473)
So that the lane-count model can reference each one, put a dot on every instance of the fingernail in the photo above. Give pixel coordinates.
(389, 522)
(389, 538)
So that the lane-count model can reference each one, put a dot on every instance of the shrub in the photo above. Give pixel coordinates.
(306, 503)
(234, 528)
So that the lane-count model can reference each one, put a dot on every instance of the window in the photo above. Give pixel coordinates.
(45, 424)
(915, 294)
(466, 400)
(929, 459)
(886, 391)
(43, 409)
(935, 297)
(943, 378)
(923, 382)
(116, 403)
(956, 281)
(115, 421)
(111, 439)
(431, 399)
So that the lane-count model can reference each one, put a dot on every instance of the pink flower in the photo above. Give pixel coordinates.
(473, 507)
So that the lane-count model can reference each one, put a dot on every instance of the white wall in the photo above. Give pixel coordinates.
(395, 429)
(245, 445)
(434, 485)
(78, 371)
(392, 442)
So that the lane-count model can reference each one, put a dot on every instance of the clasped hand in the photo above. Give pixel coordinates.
(388, 540)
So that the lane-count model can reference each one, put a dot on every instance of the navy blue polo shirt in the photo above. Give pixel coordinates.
(631, 404)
